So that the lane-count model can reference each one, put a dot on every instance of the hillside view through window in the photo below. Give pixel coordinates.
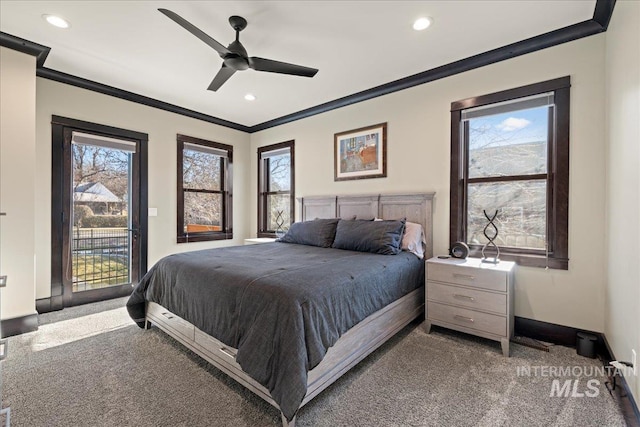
(503, 146)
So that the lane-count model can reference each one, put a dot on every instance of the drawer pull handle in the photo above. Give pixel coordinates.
(464, 297)
(167, 315)
(466, 319)
(227, 352)
(464, 276)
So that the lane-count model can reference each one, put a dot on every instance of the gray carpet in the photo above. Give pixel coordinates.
(91, 366)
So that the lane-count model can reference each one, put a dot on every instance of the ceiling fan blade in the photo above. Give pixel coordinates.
(222, 76)
(271, 66)
(195, 31)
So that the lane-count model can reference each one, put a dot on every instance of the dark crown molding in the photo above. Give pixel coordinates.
(72, 80)
(41, 52)
(25, 46)
(533, 44)
(603, 11)
(598, 24)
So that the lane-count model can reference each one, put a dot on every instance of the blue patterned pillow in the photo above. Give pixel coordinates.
(319, 232)
(378, 237)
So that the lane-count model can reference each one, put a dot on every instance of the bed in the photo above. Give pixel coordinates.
(287, 320)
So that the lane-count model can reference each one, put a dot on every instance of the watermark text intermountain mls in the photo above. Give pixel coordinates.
(584, 381)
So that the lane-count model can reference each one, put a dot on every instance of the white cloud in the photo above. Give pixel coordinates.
(512, 123)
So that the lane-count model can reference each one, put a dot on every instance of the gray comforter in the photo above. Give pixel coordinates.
(280, 305)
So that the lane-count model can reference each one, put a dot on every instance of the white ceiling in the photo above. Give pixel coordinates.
(356, 45)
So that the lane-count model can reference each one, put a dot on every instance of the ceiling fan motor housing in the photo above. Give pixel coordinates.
(236, 62)
(237, 58)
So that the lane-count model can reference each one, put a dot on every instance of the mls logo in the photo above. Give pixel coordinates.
(570, 388)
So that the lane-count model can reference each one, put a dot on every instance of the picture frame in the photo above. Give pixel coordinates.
(360, 153)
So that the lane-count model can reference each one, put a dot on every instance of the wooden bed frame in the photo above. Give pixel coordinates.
(356, 343)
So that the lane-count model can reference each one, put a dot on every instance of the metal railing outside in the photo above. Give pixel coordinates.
(100, 257)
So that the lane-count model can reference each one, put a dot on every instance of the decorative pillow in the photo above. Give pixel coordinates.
(413, 239)
(364, 218)
(378, 237)
(353, 217)
(319, 232)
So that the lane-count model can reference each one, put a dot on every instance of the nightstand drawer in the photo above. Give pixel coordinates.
(490, 323)
(469, 298)
(477, 277)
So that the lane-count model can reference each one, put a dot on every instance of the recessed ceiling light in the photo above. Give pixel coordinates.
(422, 23)
(250, 97)
(57, 21)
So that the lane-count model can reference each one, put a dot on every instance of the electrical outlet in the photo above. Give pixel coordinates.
(634, 362)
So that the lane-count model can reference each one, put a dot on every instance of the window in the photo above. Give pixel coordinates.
(510, 153)
(204, 190)
(276, 189)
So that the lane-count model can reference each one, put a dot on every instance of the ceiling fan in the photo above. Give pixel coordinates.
(235, 55)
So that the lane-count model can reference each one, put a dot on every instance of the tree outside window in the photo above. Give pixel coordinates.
(276, 190)
(204, 195)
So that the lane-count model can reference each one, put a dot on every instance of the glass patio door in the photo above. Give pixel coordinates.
(100, 238)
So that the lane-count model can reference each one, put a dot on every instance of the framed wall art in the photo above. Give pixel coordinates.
(361, 153)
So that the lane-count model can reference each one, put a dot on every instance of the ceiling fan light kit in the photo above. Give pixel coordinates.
(234, 56)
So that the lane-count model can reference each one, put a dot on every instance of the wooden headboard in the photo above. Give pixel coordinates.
(415, 207)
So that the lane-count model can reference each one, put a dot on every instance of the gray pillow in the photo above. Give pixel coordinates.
(319, 232)
(378, 237)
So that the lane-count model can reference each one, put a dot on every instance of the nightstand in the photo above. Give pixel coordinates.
(258, 240)
(471, 296)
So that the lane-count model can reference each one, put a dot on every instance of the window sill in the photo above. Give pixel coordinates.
(267, 234)
(527, 260)
(204, 237)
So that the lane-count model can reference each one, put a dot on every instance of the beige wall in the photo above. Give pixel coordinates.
(418, 152)
(418, 160)
(622, 309)
(17, 174)
(63, 100)
(601, 290)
